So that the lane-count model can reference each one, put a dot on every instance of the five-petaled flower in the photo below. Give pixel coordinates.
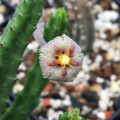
(61, 59)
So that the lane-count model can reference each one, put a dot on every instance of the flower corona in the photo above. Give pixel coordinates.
(61, 59)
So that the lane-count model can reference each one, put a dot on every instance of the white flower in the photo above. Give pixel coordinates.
(61, 59)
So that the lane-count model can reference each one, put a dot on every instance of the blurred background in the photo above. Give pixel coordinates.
(95, 26)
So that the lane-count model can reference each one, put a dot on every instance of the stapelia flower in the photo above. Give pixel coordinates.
(61, 59)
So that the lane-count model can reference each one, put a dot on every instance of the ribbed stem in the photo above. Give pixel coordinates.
(14, 41)
(57, 25)
(25, 100)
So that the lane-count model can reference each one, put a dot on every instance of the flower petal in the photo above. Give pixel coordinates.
(64, 72)
(74, 62)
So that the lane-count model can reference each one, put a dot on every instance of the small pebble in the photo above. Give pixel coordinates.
(96, 88)
(33, 46)
(56, 103)
(114, 86)
(113, 77)
(108, 16)
(99, 80)
(101, 115)
(90, 96)
(116, 68)
(109, 55)
(46, 101)
(17, 88)
(1, 18)
(50, 111)
(2, 9)
(66, 102)
(107, 71)
(94, 66)
(116, 104)
(98, 58)
(22, 67)
(20, 75)
(107, 114)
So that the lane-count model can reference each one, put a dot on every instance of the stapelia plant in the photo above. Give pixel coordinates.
(28, 99)
(13, 43)
(74, 115)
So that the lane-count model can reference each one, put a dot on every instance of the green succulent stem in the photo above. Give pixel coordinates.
(14, 41)
(29, 98)
(25, 100)
(57, 25)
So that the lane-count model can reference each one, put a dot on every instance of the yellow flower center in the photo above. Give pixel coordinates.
(64, 59)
